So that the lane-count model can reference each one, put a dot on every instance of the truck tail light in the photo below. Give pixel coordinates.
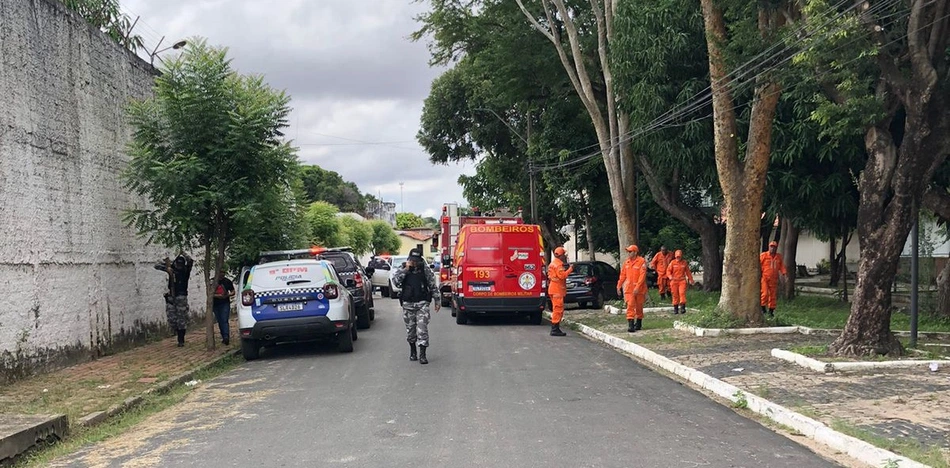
(444, 275)
(331, 291)
(590, 280)
(247, 297)
(359, 280)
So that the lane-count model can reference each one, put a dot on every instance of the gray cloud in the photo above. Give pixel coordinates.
(356, 80)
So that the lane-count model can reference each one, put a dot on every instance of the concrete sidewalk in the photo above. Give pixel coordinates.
(45, 407)
(890, 409)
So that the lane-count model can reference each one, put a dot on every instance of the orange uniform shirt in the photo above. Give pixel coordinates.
(557, 277)
(633, 276)
(771, 265)
(679, 271)
(660, 262)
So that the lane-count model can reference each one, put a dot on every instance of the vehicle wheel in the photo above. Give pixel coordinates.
(345, 345)
(362, 318)
(598, 301)
(372, 314)
(536, 318)
(446, 303)
(354, 333)
(461, 317)
(383, 291)
(582, 305)
(251, 349)
(393, 294)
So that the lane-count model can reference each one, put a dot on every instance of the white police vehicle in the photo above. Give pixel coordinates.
(290, 296)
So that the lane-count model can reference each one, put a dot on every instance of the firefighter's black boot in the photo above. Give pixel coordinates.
(412, 352)
(771, 312)
(631, 326)
(683, 308)
(422, 355)
(764, 310)
(639, 324)
(676, 310)
(181, 337)
(556, 330)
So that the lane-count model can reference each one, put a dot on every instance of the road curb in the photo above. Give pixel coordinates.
(815, 430)
(828, 367)
(98, 417)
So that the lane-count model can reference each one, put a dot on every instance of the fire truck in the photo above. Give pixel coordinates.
(491, 283)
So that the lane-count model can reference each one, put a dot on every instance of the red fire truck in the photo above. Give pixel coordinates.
(491, 265)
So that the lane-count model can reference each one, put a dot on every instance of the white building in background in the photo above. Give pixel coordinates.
(383, 210)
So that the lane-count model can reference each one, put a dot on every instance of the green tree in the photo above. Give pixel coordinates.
(384, 238)
(356, 234)
(323, 185)
(325, 227)
(883, 76)
(280, 226)
(108, 18)
(207, 153)
(409, 221)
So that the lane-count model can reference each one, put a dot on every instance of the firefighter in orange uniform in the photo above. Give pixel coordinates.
(679, 275)
(557, 288)
(633, 286)
(772, 266)
(659, 263)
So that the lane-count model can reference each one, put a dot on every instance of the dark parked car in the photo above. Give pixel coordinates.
(592, 283)
(357, 281)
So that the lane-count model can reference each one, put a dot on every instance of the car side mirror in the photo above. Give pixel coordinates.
(370, 271)
(350, 283)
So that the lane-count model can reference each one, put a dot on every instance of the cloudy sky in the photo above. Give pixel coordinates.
(356, 80)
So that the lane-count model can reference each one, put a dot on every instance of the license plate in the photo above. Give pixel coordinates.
(289, 307)
(481, 288)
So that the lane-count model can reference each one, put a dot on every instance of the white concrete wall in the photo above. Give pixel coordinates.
(77, 282)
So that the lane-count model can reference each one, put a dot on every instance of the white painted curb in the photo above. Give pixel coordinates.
(825, 367)
(855, 448)
(804, 361)
(732, 331)
(654, 310)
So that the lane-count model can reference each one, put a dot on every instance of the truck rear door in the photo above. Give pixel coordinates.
(523, 271)
(482, 265)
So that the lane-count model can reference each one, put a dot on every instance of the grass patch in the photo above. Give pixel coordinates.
(153, 403)
(929, 455)
(811, 351)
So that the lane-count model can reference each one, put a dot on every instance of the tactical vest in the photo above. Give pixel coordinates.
(415, 288)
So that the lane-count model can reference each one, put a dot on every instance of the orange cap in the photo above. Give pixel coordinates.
(678, 254)
(773, 244)
(633, 248)
(559, 251)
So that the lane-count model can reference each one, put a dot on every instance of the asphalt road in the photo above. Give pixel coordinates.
(496, 394)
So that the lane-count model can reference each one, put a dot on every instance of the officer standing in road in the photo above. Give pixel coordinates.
(417, 283)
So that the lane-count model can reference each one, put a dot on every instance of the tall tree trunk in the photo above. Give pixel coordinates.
(833, 261)
(591, 247)
(742, 179)
(894, 180)
(609, 122)
(937, 200)
(943, 291)
(209, 294)
(843, 264)
(789, 247)
(710, 237)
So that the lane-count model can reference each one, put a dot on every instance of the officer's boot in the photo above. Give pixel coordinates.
(676, 309)
(181, 337)
(412, 351)
(639, 324)
(422, 355)
(631, 326)
(556, 330)
(764, 310)
(771, 312)
(683, 308)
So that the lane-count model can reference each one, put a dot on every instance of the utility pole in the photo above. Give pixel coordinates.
(402, 201)
(531, 175)
(915, 240)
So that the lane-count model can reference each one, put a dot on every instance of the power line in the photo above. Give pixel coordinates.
(705, 97)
